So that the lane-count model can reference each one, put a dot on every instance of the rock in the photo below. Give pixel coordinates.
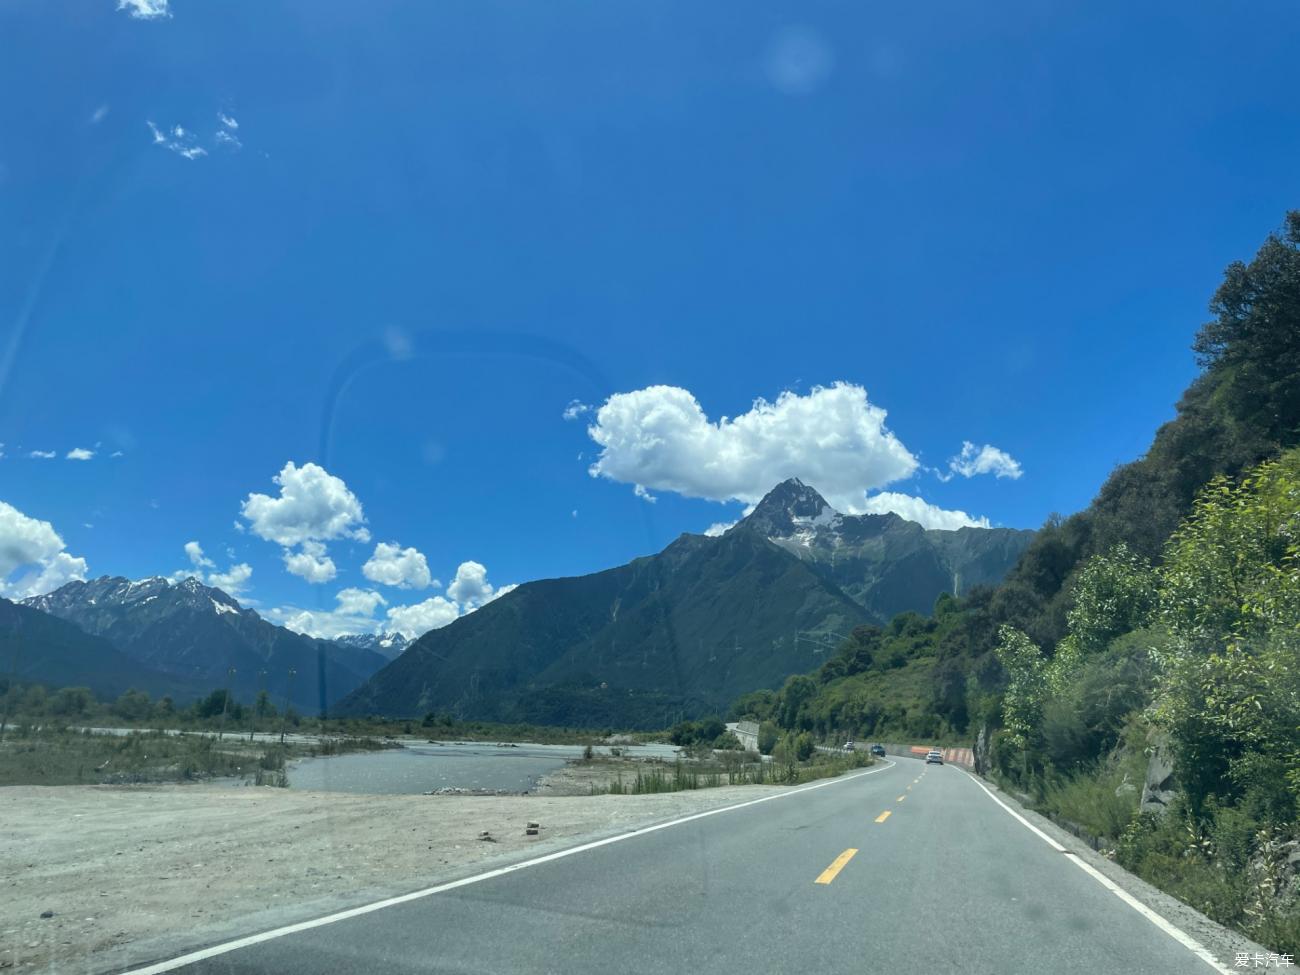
(1160, 787)
(47, 914)
(485, 835)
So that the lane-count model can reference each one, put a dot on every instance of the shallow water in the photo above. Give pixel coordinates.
(414, 769)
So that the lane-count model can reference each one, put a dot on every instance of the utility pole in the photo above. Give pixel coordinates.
(285, 717)
(225, 703)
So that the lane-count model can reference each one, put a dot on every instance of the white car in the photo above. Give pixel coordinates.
(934, 757)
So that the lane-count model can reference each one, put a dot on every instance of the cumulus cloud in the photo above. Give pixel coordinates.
(310, 562)
(404, 568)
(313, 505)
(719, 528)
(79, 453)
(41, 455)
(832, 438)
(197, 559)
(416, 620)
(353, 614)
(915, 509)
(575, 409)
(983, 460)
(359, 602)
(32, 556)
(233, 581)
(470, 588)
(145, 9)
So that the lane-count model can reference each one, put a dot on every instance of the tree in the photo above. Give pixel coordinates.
(1022, 705)
(1114, 593)
(72, 702)
(133, 705)
(1228, 684)
(1252, 342)
(767, 737)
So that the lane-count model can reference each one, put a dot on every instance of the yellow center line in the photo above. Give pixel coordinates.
(900, 798)
(831, 872)
(883, 816)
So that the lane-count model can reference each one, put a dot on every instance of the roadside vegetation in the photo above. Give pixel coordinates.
(1156, 634)
(727, 768)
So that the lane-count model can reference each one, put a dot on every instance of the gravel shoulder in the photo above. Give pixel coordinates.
(134, 874)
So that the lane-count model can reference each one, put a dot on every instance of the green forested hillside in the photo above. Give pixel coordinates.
(1165, 617)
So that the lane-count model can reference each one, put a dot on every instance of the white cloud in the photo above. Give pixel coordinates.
(359, 602)
(117, 453)
(915, 509)
(233, 581)
(640, 491)
(33, 546)
(227, 120)
(310, 562)
(197, 559)
(145, 9)
(313, 505)
(392, 565)
(469, 591)
(416, 620)
(354, 614)
(41, 454)
(79, 453)
(470, 587)
(99, 115)
(177, 139)
(575, 409)
(984, 460)
(718, 528)
(831, 438)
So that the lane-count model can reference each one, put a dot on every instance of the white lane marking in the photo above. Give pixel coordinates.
(254, 939)
(1178, 934)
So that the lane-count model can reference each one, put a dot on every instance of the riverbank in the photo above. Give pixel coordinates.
(135, 873)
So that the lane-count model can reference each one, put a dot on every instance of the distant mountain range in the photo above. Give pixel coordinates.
(38, 648)
(687, 630)
(387, 645)
(195, 634)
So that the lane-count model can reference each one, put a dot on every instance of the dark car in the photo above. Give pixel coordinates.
(878, 750)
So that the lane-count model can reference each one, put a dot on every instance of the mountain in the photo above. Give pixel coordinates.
(192, 631)
(387, 645)
(38, 648)
(887, 564)
(682, 632)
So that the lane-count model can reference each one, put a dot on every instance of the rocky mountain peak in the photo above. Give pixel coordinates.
(787, 507)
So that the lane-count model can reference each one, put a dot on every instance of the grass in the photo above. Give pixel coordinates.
(682, 776)
(47, 755)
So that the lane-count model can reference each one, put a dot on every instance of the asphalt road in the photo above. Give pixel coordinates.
(943, 880)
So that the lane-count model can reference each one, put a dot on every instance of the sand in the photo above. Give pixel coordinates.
(135, 874)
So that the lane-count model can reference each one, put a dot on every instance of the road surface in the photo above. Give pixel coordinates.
(903, 868)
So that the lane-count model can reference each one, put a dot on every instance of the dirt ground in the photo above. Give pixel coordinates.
(134, 874)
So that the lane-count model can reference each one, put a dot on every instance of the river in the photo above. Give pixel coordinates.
(418, 768)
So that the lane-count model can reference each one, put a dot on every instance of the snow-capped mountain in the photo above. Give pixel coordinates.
(200, 633)
(387, 645)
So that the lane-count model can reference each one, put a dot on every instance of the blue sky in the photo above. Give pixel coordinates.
(432, 227)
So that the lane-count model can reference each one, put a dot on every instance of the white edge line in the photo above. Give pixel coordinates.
(254, 939)
(1179, 935)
